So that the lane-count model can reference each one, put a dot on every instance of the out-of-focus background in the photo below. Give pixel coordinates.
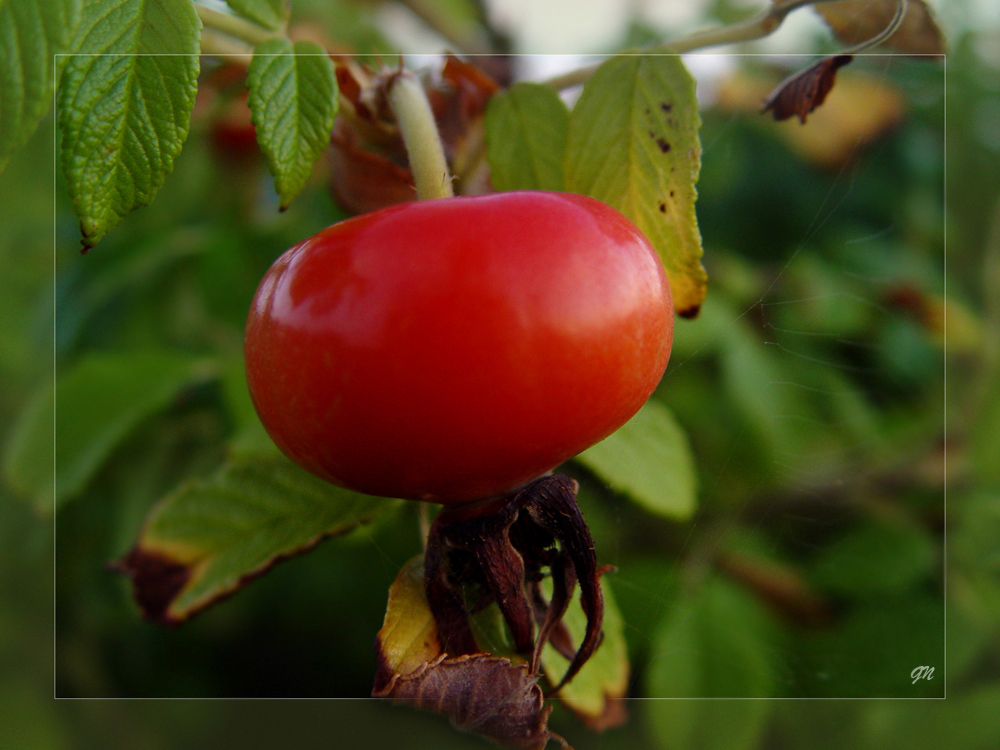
(841, 384)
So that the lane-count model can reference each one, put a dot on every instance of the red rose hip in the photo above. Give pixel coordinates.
(452, 350)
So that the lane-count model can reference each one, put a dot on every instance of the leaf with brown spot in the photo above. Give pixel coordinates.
(856, 21)
(211, 537)
(633, 143)
(801, 93)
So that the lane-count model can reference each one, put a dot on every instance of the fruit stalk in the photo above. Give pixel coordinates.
(420, 136)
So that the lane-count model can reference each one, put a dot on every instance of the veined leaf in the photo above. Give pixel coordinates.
(268, 13)
(526, 130)
(211, 537)
(633, 143)
(92, 408)
(32, 33)
(293, 101)
(649, 459)
(125, 105)
(715, 644)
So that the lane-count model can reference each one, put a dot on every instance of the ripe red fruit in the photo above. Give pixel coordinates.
(452, 350)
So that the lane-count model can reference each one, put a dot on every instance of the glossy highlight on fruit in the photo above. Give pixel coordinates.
(453, 350)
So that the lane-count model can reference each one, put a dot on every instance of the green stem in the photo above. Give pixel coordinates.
(234, 26)
(420, 135)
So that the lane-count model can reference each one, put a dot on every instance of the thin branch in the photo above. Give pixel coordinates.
(236, 27)
(762, 25)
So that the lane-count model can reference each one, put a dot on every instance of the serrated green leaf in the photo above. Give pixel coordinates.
(526, 130)
(633, 143)
(268, 13)
(125, 105)
(32, 33)
(597, 693)
(92, 408)
(293, 101)
(649, 459)
(211, 537)
(715, 644)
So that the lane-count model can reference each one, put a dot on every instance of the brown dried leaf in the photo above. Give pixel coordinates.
(859, 110)
(801, 93)
(855, 21)
(481, 693)
(478, 693)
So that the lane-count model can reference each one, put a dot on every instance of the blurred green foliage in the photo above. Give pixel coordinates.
(811, 388)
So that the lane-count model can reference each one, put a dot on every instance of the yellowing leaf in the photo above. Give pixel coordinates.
(633, 143)
(408, 638)
(855, 21)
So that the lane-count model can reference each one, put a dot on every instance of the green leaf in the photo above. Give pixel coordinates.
(526, 130)
(715, 644)
(293, 102)
(879, 557)
(650, 460)
(125, 105)
(969, 721)
(92, 408)
(32, 33)
(985, 439)
(765, 393)
(597, 693)
(270, 14)
(874, 649)
(633, 143)
(211, 537)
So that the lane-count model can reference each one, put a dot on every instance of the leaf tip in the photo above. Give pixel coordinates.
(690, 312)
(156, 581)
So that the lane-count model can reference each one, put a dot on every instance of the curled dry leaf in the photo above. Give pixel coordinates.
(481, 693)
(801, 93)
(839, 130)
(855, 21)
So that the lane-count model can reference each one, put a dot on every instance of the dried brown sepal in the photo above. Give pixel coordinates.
(479, 693)
(362, 180)
(367, 156)
(501, 547)
(856, 21)
(801, 93)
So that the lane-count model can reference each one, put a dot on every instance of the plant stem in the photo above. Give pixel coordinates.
(235, 26)
(762, 25)
(217, 44)
(420, 136)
